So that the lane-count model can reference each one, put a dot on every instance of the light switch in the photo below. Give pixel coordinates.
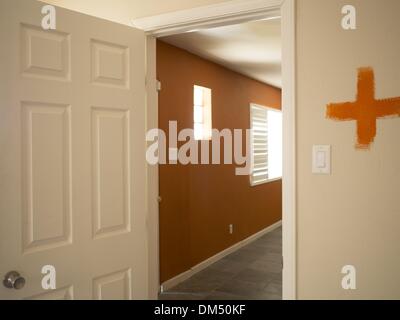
(321, 159)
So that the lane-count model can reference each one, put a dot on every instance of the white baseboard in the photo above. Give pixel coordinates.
(206, 263)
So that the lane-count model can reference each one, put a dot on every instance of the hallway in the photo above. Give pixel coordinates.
(254, 272)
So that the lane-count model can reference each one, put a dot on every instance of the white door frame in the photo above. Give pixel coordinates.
(225, 13)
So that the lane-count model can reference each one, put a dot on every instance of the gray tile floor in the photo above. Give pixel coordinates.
(254, 272)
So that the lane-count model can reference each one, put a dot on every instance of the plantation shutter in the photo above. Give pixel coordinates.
(259, 144)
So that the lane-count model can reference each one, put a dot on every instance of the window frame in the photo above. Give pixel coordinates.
(254, 184)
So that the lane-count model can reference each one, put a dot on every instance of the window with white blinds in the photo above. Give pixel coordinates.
(266, 144)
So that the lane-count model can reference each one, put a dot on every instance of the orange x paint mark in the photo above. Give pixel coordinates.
(366, 109)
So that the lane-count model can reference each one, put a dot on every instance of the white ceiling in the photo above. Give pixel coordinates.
(252, 48)
(123, 11)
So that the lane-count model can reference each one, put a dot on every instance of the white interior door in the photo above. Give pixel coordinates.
(72, 155)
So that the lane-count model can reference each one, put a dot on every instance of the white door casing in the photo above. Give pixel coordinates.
(72, 160)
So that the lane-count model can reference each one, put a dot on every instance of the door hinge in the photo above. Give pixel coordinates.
(158, 85)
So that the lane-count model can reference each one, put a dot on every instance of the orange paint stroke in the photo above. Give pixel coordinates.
(365, 110)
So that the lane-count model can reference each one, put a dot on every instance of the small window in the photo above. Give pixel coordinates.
(202, 113)
(266, 144)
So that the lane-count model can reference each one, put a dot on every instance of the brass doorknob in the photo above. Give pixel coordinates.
(13, 280)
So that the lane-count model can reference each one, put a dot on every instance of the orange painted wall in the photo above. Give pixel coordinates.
(200, 201)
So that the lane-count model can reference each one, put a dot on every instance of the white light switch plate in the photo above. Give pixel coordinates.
(321, 159)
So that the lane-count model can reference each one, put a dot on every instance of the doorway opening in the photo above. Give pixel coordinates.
(200, 188)
(220, 232)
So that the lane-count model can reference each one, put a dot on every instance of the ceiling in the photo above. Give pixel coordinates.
(123, 11)
(252, 48)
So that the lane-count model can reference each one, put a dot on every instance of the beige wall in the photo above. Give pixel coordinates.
(352, 216)
(122, 11)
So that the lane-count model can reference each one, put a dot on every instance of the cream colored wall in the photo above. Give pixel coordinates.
(352, 216)
(122, 11)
